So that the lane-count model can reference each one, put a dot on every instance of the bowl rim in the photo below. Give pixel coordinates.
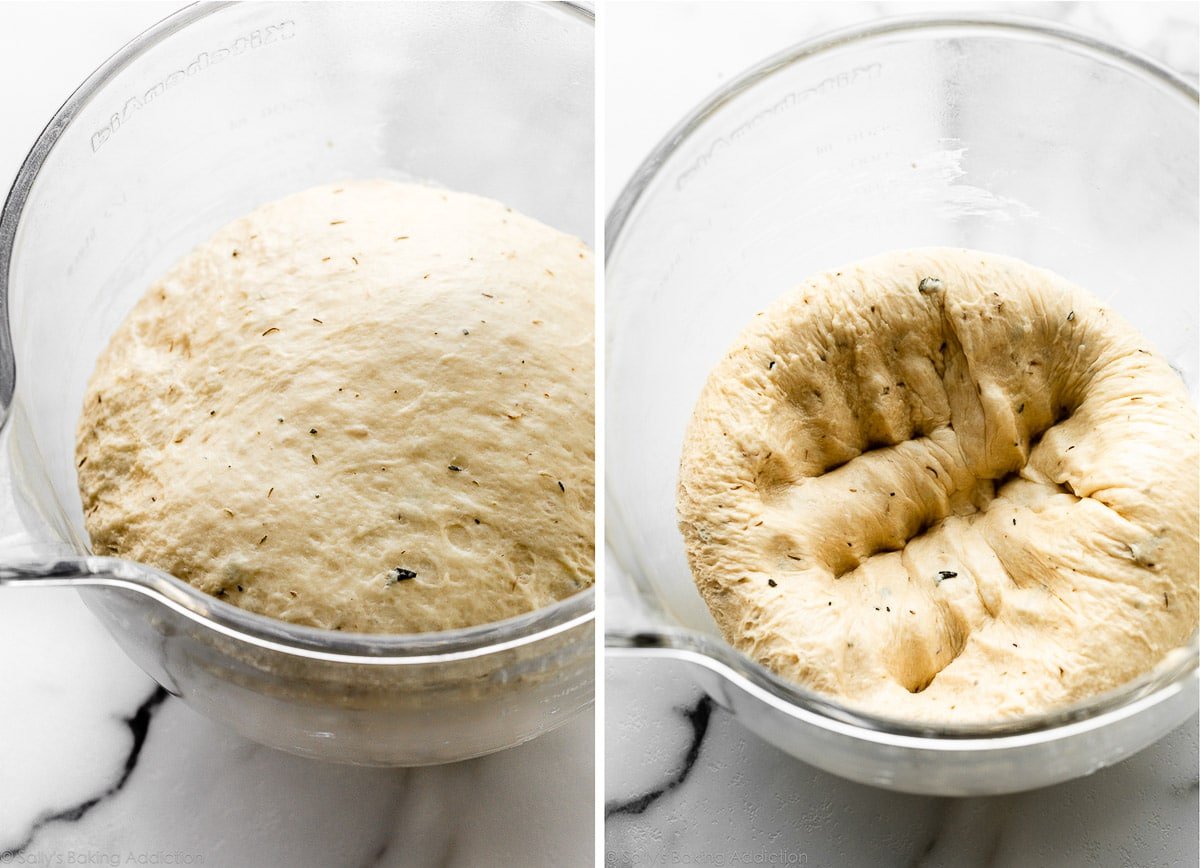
(647, 170)
(669, 639)
(1167, 678)
(443, 646)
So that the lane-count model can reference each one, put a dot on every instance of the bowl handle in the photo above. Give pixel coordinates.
(51, 571)
(24, 560)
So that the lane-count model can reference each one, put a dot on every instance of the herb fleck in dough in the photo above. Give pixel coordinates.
(945, 485)
(352, 409)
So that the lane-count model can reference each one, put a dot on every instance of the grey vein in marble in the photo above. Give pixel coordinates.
(698, 716)
(139, 728)
(745, 800)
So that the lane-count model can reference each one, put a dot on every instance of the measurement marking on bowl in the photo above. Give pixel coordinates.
(849, 78)
(258, 38)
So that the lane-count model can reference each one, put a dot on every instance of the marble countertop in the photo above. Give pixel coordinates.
(98, 766)
(685, 783)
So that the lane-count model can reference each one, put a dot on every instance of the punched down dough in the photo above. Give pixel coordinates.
(944, 485)
(365, 407)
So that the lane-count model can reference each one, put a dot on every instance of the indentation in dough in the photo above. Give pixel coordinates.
(870, 446)
(959, 489)
(776, 474)
(458, 536)
(914, 664)
(956, 435)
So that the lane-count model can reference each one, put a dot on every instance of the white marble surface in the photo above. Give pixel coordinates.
(741, 799)
(98, 768)
(684, 782)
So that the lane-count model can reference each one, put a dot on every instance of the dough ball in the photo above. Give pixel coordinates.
(945, 485)
(364, 407)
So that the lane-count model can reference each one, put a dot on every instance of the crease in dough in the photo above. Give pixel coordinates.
(983, 486)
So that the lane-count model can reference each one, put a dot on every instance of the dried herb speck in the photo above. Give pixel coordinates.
(562, 487)
(1071, 316)
(946, 574)
(772, 582)
(82, 461)
(268, 331)
(315, 461)
(929, 284)
(455, 468)
(312, 430)
(399, 574)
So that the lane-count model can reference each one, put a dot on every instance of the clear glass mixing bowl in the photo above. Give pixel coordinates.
(212, 112)
(997, 134)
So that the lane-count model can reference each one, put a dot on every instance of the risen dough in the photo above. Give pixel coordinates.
(364, 407)
(945, 485)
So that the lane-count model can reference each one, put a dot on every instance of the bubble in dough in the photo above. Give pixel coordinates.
(944, 485)
(364, 407)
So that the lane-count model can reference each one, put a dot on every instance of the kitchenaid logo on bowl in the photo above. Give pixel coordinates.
(263, 36)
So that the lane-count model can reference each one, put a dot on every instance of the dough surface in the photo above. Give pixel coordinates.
(364, 407)
(945, 485)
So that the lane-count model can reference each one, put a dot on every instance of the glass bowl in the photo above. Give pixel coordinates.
(214, 111)
(992, 133)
